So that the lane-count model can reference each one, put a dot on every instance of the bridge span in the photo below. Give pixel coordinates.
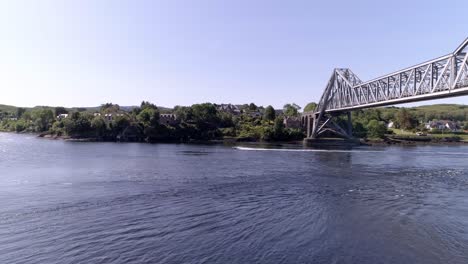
(446, 76)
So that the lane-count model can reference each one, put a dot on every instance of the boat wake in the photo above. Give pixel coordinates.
(345, 151)
(304, 150)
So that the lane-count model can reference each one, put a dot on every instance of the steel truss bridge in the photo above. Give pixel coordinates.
(443, 77)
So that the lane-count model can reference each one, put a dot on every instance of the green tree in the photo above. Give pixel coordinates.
(279, 129)
(145, 104)
(119, 124)
(252, 107)
(404, 119)
(78, 124)
(310, 107)
(291, 109)
(225, 119)
(149, 116)
(376, 129)
(109, 108)
(27, 116)
(43, 119)
(270, 113)
(19, 112)
(205, 114)
(359, 130)
(98, 124)
(465, 127)
(183, 113)
(20, 125)
(60, 110)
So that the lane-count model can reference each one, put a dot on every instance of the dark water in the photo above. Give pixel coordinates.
(139, 203)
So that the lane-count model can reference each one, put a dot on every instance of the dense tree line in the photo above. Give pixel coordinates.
(196, 122)
(206, 122)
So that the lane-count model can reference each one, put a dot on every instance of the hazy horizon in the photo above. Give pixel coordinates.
(72, 54)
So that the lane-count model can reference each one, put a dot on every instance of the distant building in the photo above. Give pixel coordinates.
(255, 114)
(443, 125)
(229, 108)
(168, 119)
(62, 116)
(292, 122)
(110, 117)
(97, 114)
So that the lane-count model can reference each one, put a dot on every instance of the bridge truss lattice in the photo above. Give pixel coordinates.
(443, 77)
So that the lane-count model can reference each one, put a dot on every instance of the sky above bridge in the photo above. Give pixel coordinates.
(84, 53)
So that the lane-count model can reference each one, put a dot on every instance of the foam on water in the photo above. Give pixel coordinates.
(303, 150)
(344, 151)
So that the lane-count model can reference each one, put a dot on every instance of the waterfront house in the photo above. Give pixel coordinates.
(255, 114)
(292, 122)
(62, 116)
(443, 125)
(229, 108)
(168, 119)
(110, 117)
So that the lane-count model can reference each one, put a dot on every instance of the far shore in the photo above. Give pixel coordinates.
(388, 141)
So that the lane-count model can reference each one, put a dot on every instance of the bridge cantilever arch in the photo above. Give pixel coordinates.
(443, 77)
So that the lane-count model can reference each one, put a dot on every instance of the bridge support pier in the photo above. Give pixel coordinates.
(326, 125)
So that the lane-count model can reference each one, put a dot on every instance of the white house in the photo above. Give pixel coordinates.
(443, 125)
(62, 116)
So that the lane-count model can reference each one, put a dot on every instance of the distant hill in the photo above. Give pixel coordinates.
(7, 108)
(441, 107)
(431, 108)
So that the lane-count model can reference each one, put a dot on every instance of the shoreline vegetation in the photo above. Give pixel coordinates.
(227, 123)
(150, 123)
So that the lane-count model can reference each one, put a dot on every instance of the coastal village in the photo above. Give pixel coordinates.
(236, 110)
(249, 122)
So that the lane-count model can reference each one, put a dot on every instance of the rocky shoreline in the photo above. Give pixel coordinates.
(366, 142)
(409, 142)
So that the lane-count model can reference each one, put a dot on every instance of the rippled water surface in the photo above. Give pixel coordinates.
(64, 202)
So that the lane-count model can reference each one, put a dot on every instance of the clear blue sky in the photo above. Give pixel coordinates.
(88, 52)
